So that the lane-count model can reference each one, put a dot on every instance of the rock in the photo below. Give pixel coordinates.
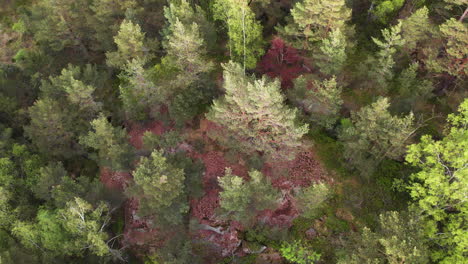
(311, 233)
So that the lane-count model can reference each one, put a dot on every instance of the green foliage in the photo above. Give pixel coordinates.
(130, 46)
(311, 198)
(455, 36)
(332, 55)
(297, 252)
(375, 134)
(383, 66)
(186, 50)
(63, 111)
(385, 10)
(183, 11)
(314, 20)
(160, 188)
(67, 231)
(242, 200)
(244, 31)
(59, 24)
(412, 89)
(416, 29)
(255, 116)
(439, 188)
(111, 143)
(399, 238)
(322, 103)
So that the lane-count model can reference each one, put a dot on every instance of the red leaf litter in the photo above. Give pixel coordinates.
(136, 132)
(226, 241)
(300, 172)
(115, 180)
(138, 234)
(282, 61)
(282, 216)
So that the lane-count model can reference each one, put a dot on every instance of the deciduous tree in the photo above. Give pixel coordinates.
(439, 188)
(244, 31)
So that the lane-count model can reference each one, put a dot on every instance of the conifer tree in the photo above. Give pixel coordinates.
(130, 45)
(63, 112)
(183, 11)
(186, 51)
(375, 134)
(399, 238)
(62, 23)
(455, 37)
(382, 72)
(110, 142)
(332, 55)
(137, 91)
(106, 18)
(417, 29)
(255, 116)
(313, 20)
(159, 186)
(241, 200)
(411, 88)
(244, 31)
(320, 100)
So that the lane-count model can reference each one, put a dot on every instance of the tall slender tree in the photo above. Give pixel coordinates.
(244, 31)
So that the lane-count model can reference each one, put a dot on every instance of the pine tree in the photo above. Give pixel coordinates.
(374, 134)
(183, 11)
(412, 89)
(130, 42)
(186, 51)
(332, 55)
(62, 23)
(417, 29)
(382, 72)
(439, 187)
(159, 186)
(320, 100)
(313, 20)
(106, 18)
(63, 111)
(110, 142)
(399, 238)
(455, 37)
(255, 116)
(244, 31)
(241, 200)
(138, 92)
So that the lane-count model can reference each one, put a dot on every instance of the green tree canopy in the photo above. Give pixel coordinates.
(244, 31)
(374, 134)
(159, 186)
(255, 116)
(241, 200)
(111, 143)
(439, 188)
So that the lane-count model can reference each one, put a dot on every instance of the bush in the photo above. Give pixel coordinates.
(297, 252)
